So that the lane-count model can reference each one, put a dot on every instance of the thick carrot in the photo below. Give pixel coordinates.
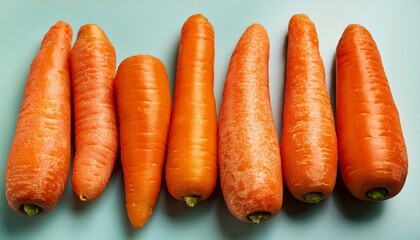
(372, 151)
(93, 63)
(308, 141)
(249, 154)
(191, 165)
(39, 159)
(144, 109)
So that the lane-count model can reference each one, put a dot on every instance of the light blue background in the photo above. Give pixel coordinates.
(153, 27)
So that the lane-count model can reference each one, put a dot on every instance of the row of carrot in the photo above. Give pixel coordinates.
(130, 110)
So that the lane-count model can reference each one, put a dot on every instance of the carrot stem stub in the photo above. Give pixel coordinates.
(259, 217)
(191, 201)
(313, 197)
(30, 209)
(377, 193)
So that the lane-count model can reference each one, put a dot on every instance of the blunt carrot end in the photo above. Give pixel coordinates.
(377, 193)
(191, 167)
(39, 158)
(252, 189)
(306, 110)
(31, 209)
(259, 217)
(313, 197)
(191, 201)
(368, 122)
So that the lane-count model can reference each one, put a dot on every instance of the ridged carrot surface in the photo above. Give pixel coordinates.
(144, 109)
(249, 153)
(39, 159)
(191, 165)
(372, 150)
(93, 63)
(308, 142)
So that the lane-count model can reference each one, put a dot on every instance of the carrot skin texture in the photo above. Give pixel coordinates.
(39, 158)
(93, 63)
(144, 108)
(371, 145)
(191, 165)
(308, 142)
(249, 154)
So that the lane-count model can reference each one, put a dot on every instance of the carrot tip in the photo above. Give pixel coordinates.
(259, 217)
(313, 197)
(31, 209)
(377, 193)
(191, 201)
(83, 198)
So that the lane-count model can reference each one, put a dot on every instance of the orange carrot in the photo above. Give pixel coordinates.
(309, 141)
(191, 167)
(249, 154)
(144, 109)
(39, 159)
(93, 63)
(372, 151)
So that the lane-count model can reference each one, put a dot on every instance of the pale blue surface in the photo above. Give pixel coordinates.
(153, 27)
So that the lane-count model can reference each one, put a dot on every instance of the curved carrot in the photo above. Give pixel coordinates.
(191, 165)
(308, 142)
(38, 163)
(93, 63)
(372, 151)
(249, 154)
(144, 109)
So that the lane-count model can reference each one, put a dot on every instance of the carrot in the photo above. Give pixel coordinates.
(372, 151)
(191, 165)
(39, 158)
(93, 63)
(308, 141)
(144, 109)
(249, 154)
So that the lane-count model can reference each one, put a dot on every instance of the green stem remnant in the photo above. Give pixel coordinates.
(191, 201)
(259, 217)
(313, 197)
(377, 193)
(31, 209)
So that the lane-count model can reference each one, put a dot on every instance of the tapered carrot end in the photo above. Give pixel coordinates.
(91, 31)
(197, 21)
(301, 20)
(299, 17)
(59, 30)
(197, 17)
(83, 198)
(139, 215)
